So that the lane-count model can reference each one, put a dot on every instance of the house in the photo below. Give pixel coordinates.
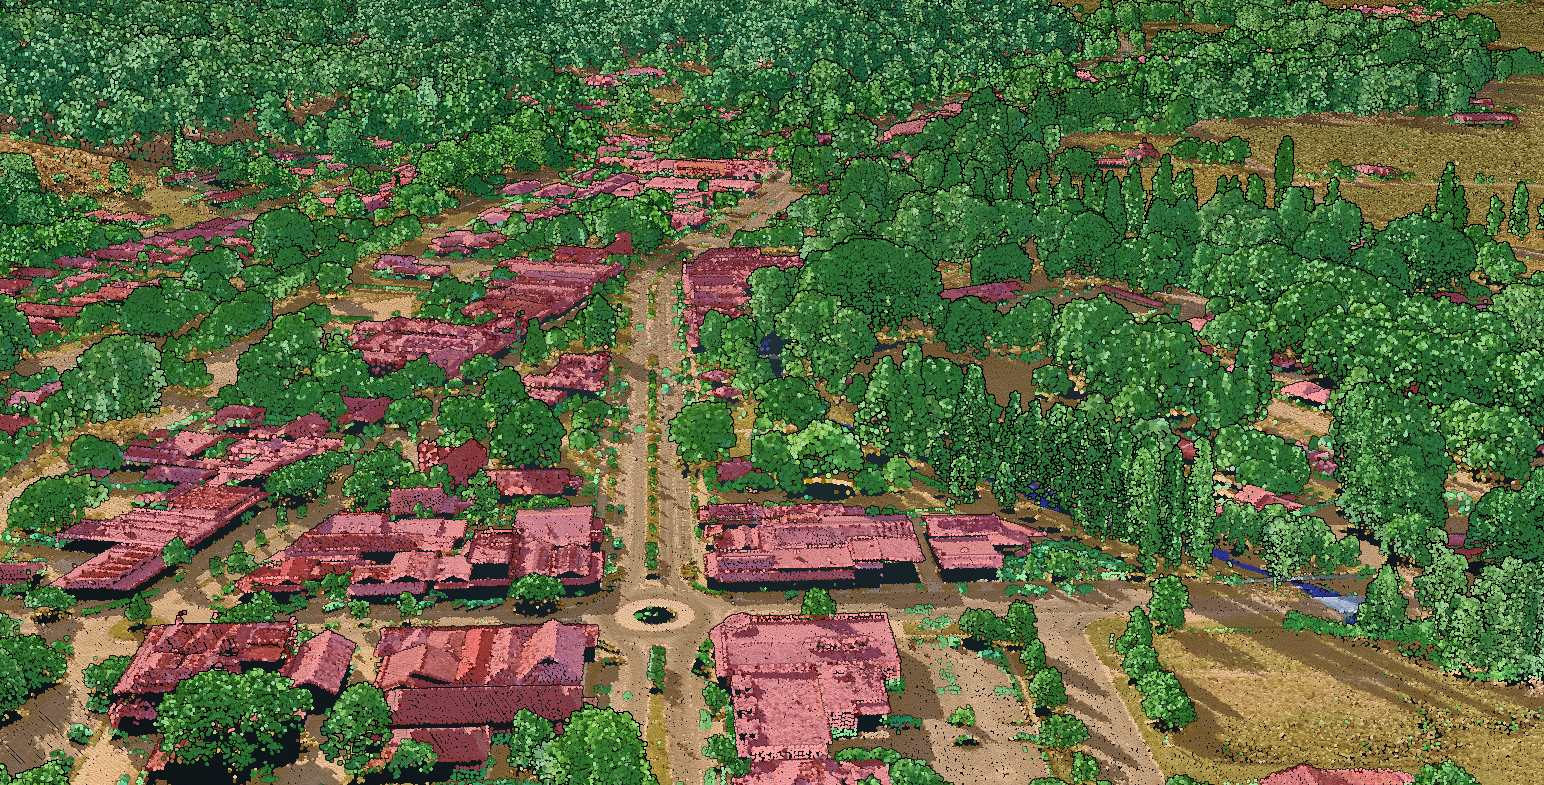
(172, 653)
(987, 292)
(1259, 497)
(719, 280)
(803, 544)
(795, 679)
(519, 188)
(321, 665)
(1308, 775)
(586, 372)
(822, 771)
(918, 124)
(460, 462)
(409, 266)
(535, 482)
(1308, 392)
(541, 290)
(1485, 118)
(975, 542)
(452, 685)
(563, 543)
(34, 397)
(135, 538)
(405, 501)
(15, 572)
(13, 423)
(363, 410)
(391, 344)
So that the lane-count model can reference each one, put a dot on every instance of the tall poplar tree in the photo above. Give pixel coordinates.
(1519, 223)
(1286, 166)
(1201, 505)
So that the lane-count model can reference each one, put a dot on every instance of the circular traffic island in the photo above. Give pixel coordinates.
(654, 615)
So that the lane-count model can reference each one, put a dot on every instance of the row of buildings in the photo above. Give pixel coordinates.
(752, 543)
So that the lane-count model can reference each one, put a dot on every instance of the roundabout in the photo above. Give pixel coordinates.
(655, 615)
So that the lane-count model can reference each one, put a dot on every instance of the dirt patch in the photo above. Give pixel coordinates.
(1267, 699)
(1294, 423)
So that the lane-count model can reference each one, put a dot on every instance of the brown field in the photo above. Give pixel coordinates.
(1267, 699)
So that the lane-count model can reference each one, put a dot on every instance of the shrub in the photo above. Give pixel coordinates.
(963, 717)
(100, 678)
(1062, 731)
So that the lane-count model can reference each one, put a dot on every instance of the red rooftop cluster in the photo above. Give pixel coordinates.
(583, 372)
(719, 280)
(802, 542)
(391, 344)
(172, 653)
(975, 542)
(450, 686)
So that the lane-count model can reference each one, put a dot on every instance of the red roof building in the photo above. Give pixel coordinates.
(535, 482)
(409, 267)
(388, 345)
(821, 771)
(719, 280)
(1002, 291)
(585, 372)
(975, 542)
(138, 536)
(1308, 392)
(13, 423)
(542, 290)
(14, 572)
(1259, 497)
(793, 679)
(321, 663)
(460, 462)
(467, 745)
(918, 124)
(563, 543)
(804, 545)
(172, 653)
(447, 678)
(364, 409)
(406, 501)
(1308, 775)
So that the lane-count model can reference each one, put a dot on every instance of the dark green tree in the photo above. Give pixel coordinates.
(702, 431)
(375, 473)
(412, 755)
(1170, 599)
(1444, 773)
(817, 602)
(1046, 688)
(1383, 612)
(93, 452)
(357, 727)
(527, 733)
(789, 399)
(115, 378)
(1520, 212)
(233, 720)
(176, 552)
(536, 593)
(1286, 167)
(52, 504)
(1139, 631)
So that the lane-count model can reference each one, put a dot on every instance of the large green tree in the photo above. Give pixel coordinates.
(887, 281)
(357, 727)
(702, 431)
(236, 721)
(117, 377)
(598, 746)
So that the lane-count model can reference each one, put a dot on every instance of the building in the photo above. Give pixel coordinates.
(406, 501)
(795, 679)
(386, 557)
(1308, 775)
(452, 685)
(918, 124)
(1002, 291)
(719, 280)
(172, 653)
(19, 572)
(535, 482)
(581, 372)
(389, 345)
(1307, 392)
(975, 542)
(541, 290)
(815, 772)
(460, 462)
(409, 267)
(805, 542)
(563, 543)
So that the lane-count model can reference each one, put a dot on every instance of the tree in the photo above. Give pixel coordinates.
(817, 602)
(115, 378)
(409, 607)
(50, 603)
(1444, 773)
(984, 625)
(28, 664)
(1383, 612)
(357, 727)
(1085, 768)
(1166, 700)
(92, 452)
(721, 749)
(306, 478)
(528, 732)
(15, 335)
(1140, 661)
(282, 228)
(887, 281)
(1022, 621)
(1139, 631)
(1495, 216)
(536, 593)
(260, 607)
(1062, 731)
(1032, 656)
(963, 717)
(1170, 599)
(231, 720)
(1520, 212)
(702, 431)
(101, 678)
(1286, 166)
(789, 399)
(411, 755)
(527, 434)
(598, 746)
(52, 504)
(1046, 688)
(375, 472)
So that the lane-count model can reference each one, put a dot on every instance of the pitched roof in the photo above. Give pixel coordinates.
(963, 542)
(451, 745)
(575, 372)
(171, 653)
(321, 662)
(13, 572)
(532, 482)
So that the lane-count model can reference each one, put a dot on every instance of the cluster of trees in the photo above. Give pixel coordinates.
(1165, 701)
(27, 664)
